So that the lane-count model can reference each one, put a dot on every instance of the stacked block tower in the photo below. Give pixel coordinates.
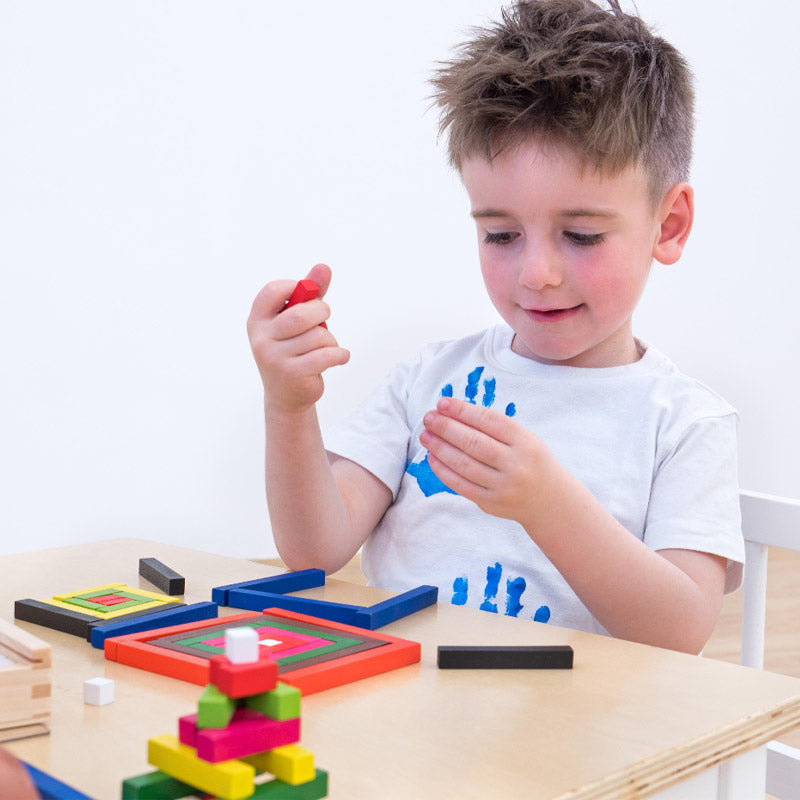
(247, 722)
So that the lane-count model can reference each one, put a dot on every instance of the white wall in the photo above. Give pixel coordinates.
(160, 160)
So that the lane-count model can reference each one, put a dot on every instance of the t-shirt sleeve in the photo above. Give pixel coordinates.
(694, 500)
(376, 434)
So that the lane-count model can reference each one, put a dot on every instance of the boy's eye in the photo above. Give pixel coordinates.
(584, 239)
(505, 237)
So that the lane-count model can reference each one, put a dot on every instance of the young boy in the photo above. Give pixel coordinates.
(554, 466)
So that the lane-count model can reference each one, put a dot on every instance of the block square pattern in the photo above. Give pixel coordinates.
(317, 654)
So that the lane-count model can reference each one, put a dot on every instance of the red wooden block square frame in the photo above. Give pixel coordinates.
(135, 650)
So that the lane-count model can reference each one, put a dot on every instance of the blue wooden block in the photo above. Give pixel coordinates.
(278, 584)
(258, 601)
(373, 617)
(158, 619)
(50, 788)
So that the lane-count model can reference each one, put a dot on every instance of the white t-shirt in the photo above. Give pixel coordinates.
(656, 448)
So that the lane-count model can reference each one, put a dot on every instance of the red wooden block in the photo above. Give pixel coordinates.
(247, 733)
(304, 291)
(109, 599)
(242, 680)
(319, 677)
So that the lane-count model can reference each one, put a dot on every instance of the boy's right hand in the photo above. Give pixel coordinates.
(291, 349)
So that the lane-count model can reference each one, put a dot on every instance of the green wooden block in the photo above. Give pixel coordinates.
(214, 709)
(283, 702)
(278, 790)
(156, 786)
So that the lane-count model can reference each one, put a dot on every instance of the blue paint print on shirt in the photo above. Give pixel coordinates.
(473, 379)
(514, 590)
(489, 386)
(460, 591)
(427, 479)
(493, 575)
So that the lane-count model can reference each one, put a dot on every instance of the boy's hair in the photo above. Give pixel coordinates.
(570, 72)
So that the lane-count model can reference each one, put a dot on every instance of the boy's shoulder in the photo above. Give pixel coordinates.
(671, 387)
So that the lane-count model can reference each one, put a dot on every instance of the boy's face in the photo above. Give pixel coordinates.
(565, 252)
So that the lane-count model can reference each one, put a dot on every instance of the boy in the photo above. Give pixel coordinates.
(581, 479)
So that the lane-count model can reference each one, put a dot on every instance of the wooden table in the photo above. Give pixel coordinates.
(627, 721)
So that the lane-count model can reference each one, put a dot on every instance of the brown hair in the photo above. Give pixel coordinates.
(570, 72)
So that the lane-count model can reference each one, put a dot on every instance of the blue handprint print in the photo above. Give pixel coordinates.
(515, 587)
(426, 478)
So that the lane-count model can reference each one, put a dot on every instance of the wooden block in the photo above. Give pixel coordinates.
(98, 691)
(322, 609)
(289, 763)
(30, 647)
(50, 616)
(304, 291)
(501, 657)
(156, 786)
(241, 645)
(23, 731)
(242, 680)
(161, 576)
(231, 780)
(50, 788)
(25, 682)
(277, 584)
(380, 614)
(282, 702)
(247, 733)
(104, 587)
(279, 790)
(152, 619)
(214, 709)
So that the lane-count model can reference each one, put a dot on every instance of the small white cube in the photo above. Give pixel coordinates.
(98, 691)
(241, 645)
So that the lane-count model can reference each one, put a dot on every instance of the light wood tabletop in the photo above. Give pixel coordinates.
(626, 721)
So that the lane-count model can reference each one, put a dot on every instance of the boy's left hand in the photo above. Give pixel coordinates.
(485, 456)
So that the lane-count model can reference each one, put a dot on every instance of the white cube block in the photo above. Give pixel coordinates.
(98, 691)
(241, 645)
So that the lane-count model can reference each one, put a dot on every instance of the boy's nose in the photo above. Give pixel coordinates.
(540, 269)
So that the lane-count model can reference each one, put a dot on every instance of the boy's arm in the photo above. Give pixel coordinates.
(321, 512)
(669, 598)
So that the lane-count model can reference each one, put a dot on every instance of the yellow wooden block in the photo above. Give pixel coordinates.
(111, 614)
(231, 780)
(106, 587)
(290, 763)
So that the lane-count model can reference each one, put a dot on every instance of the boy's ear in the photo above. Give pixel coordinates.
(676, 216)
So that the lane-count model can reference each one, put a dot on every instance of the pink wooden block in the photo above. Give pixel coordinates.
(248, 733)
(187, 726)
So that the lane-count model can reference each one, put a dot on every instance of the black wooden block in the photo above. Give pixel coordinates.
(50, 616)
(161, 576)
(501, 657)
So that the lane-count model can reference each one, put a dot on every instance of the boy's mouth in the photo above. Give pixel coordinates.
(552, 314)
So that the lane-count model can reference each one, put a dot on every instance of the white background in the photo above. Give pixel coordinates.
(161, 160)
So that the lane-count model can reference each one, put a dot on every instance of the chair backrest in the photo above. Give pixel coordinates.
(767, 521)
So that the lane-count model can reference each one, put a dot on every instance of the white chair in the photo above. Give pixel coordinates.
(767, 521)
